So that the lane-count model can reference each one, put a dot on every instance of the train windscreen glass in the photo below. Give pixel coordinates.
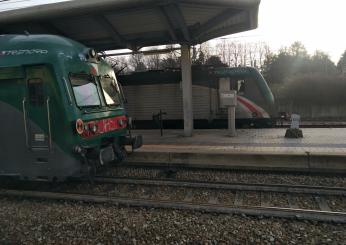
(110, 91)
(85, 91)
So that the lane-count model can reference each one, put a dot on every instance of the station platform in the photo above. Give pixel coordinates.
(321, 149)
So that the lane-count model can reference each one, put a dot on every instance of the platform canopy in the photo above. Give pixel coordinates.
(117, 24)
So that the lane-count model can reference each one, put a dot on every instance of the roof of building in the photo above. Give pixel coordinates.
(116, 24)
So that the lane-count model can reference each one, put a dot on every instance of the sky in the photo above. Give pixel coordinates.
(15, 4)
(318, 24)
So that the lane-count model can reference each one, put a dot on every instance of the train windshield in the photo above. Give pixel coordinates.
(110, 90)
(85, 90)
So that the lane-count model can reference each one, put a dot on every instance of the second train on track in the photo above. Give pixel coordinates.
(153, 91)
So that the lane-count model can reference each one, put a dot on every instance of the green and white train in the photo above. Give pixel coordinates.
(61, 109)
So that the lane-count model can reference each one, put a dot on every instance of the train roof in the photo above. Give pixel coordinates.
(235, 71)
(36, 42)
(69, 55)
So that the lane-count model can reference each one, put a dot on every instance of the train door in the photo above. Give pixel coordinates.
(37, 108)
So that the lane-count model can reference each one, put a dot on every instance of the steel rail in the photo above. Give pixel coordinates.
(296, 189)
(237, 168)
(289, 213)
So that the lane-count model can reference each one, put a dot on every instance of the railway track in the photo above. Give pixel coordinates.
(282, 201)
(197, 174)
(313, 124)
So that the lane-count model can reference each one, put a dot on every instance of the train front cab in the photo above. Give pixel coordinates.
(101, 124)
(255, 100)
(40, 138)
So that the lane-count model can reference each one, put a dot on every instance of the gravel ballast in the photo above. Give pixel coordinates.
(34, 222)
(229, 176)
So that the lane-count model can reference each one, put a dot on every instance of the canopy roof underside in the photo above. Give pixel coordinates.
(117, 24)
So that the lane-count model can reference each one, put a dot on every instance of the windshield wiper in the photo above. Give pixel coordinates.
(86, 107)
(114, 105)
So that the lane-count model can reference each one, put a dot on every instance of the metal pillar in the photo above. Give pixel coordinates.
(187, 89)
(231, 121)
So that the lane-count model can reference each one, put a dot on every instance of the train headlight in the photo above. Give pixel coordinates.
(121, 122)
(93, 128)
(79, 126)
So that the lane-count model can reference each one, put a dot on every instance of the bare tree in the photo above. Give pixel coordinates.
(136, 62)
(235, 52)
(252, 53)
(263, 53)
(153, 61)
(206, 49)
(243, 54)
(170, 59)
(222, 50)
(119, 64)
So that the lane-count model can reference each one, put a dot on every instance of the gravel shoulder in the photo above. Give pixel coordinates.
(45, 222)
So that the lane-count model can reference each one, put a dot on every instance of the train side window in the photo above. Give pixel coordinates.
(241, 86)
(36, 91)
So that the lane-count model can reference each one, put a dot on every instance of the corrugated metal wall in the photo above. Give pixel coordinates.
(146, 100)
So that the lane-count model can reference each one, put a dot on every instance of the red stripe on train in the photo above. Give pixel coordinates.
(249, 106)
(104, 126)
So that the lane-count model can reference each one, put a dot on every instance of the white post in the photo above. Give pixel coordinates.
(187, 89)
(228, 99)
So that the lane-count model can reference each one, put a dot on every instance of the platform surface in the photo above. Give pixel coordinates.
(315, 140)
(321, 150)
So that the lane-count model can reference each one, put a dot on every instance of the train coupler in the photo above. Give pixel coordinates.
(134, 141)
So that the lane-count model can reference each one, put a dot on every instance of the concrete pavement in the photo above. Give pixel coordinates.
(322, 149)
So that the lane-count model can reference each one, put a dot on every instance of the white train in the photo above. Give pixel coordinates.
(153, 91)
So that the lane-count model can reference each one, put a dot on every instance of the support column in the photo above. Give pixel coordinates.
(231, 121)
(187, 89)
